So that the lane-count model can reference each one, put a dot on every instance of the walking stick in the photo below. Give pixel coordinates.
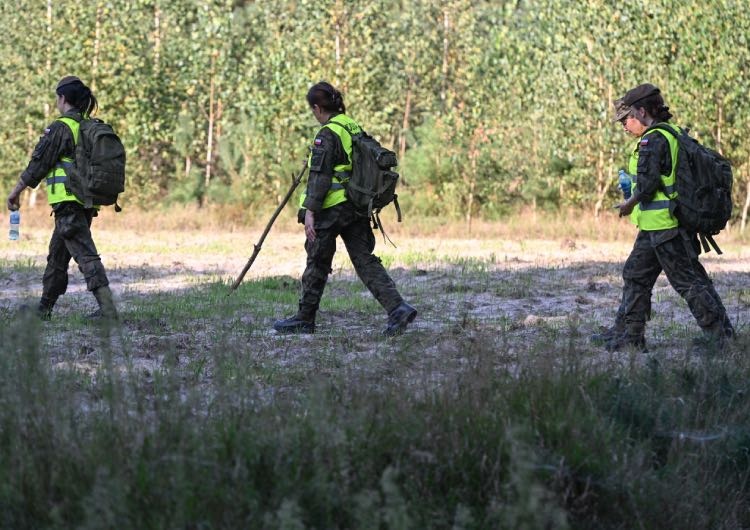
(295, 182)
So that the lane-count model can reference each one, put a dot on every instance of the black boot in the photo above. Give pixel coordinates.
(728, 328)
(626, 340)
(44, 310)
(399, 318)
(294, 324)
(107, 308)
(714, 340)
(605, 335)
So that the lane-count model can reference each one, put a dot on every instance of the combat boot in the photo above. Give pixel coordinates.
(626, 340)
(728, 328)
(399, 318)
(605, 334)
(294, 324)
(106, 308)
(43, 310)
(713, 341)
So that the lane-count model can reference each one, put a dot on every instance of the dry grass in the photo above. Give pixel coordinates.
(495, 387)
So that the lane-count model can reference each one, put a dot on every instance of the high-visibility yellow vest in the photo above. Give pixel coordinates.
(58, 176)
(656, 215)
(344, 127)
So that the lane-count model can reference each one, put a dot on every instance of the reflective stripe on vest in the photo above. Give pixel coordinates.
(343, 127)
(56, 179)
(655, 214)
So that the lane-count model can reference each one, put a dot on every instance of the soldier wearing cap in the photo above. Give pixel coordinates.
(72, 234)
(661, 244)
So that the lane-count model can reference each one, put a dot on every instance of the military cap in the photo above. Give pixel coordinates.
(621, 110)
(638, 93)
(67, 80)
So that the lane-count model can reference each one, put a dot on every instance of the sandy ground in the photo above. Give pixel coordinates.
(509, 294)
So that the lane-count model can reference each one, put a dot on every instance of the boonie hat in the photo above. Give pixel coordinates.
(621, 110)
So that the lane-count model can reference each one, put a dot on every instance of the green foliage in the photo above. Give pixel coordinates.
(236, 438)
(477, 97)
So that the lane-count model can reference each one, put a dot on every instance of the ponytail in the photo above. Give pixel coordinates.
(655, 107)
(78, 95)
(325, 96)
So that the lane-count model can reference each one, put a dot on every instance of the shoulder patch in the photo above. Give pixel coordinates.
(318, 141)
(46, 131)
(644, 142)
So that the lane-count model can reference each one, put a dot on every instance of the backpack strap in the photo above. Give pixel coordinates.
(663, 126)
(706, 240)
(398, 208)
(376, 223)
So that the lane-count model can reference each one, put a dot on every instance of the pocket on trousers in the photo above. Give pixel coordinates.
(67, 226)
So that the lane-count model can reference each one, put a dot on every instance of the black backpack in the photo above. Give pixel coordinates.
(372, 185)
(97, 175)
(703, 181)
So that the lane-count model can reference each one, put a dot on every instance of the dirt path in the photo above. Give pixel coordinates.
(506, 294)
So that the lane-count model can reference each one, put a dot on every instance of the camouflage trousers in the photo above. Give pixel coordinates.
(342, 220)
(72, 238)
(676, 253)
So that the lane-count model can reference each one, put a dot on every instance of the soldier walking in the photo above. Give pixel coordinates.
(662, 244)
(72, 234)
(326, 214)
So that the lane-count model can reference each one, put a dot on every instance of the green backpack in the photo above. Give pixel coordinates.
(372, 185)
(97, 174)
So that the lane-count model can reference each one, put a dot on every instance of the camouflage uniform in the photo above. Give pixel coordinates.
(72, 235)
(674, 251)
(339, 220)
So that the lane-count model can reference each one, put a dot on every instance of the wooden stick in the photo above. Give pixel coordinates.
(295, 182)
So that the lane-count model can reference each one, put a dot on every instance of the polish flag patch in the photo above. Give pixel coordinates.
(644, 142)
(318, 142)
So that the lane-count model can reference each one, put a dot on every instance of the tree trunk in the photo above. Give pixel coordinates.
(746, 206)
(405, 125)
(31, 197)
(719, 116)
(472, 188)
(210, 139)
(444, 70)
(601, 184)
(157, 39)
(97, 45)
(339, 20)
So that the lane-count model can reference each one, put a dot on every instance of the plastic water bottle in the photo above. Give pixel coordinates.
(626, 183)
(15, 222)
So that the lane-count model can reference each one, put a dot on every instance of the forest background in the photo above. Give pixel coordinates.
(489, 105)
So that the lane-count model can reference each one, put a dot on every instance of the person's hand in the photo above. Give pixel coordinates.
(626, 207)
(13, 203)
(310, 226)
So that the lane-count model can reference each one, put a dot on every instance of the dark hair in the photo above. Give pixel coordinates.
(79, 96)
(655, 107)
(325, 96)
